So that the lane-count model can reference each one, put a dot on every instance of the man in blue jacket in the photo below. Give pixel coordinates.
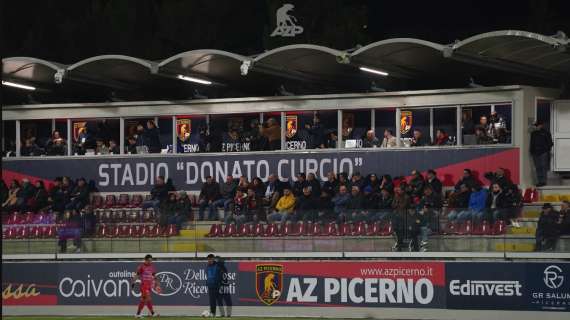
(214, 279)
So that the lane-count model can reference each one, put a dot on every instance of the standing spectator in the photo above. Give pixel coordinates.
(459, 203)
(419, 140)
(497, 123)
(401, 205)
(151, 137)
(565, 218)
(416, 184)
(371, 141)
(389, 140)
(354, 207)
(307, 206)
(83, 140)
(254, 138)
(258, 186)
(158, 193)
(227, 194)
(467, 123)
(330, 186)
(481, 136)
(209, 193)
(483, 124)
(467, 179)
(316, 133)
(272, 132)
(79, 197)
(547, 230)
(284, 209)
(71, 230)
(384, 205)
(340, 201)
(500, 178)
(433, 182)
(314, 184)
(540, 146)
(441, 138)
(4, 191)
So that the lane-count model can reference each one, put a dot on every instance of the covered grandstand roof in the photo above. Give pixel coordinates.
(493, 58)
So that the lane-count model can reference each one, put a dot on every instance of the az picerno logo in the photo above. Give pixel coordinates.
(553, 277)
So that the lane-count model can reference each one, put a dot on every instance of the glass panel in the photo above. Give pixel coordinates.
(34, 135)
(311, 130)
(165, 133)
(8, 138)
(355, 124)
(238, 132)
(385, 129)
(445, 126)
(95, 136)
(271, 130)
(142, 135)
(415, 127)
(191, 133)
(475, 125)
(500, 122)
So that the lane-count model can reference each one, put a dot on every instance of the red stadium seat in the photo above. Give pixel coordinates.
(481, 229)
(358, 229)
(344, 229)
(144, 231)
(155, 231)
(258, 230)
(373, 229)
(97, 202)
(22, 232)
(35, 232)
(271, 230)
(386, 229)
(14, 218)
(306, 229)
(110, 201)
(243, 231)
(10, 233)
(136, 201)
(499, 228)
(28, 218)
(530, 195)
(330, 230)
(296, 229)
(113, 232)
(124, 231)
(49, 232)
(465, 228)
(314, 230)
(215, 231)
(451, 228)
(170, 231)
(229, 230)
(123, 201)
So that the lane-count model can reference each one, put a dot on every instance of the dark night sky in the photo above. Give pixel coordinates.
(70, 30)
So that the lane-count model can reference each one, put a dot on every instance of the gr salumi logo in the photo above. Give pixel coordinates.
(286, 23)
(553, 277)
(552, 294)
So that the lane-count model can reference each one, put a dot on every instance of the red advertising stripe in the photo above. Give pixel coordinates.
(434, 271)
(41, 300)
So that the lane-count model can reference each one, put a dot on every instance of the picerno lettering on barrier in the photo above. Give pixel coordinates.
(362, 290)
(485, 288)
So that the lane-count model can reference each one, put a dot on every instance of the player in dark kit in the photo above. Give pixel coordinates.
(147, 276)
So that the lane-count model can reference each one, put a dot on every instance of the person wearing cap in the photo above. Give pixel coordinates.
(540, 146)
(548, 229)
(213, 281)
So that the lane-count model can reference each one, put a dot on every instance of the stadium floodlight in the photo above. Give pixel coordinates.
(17, 85)
(380, 72)
(192, 79)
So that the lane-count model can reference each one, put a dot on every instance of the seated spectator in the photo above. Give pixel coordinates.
(57, 196)
(416, 184)
(459, 203)
(26, 195)
(497, 204)
(243, 184)
(258, 186)
(158, 193)
(131, 145)
(57, 146)
(331, 141)
(387, 183)
(209, 194)
(431, 199)
(30, 149)
(274, 190)
(252, 136)
(340, 201)
(40, 199)
(400, 205)
(389, 140)
(481, 136)
(299, 185)
(272, 132)
(239, 214)
(170, 185)
(4, 191)
(483, 123)
(433, 182)
(330, 186)
(371, 141)
(11, 202)
(357, 180)
(548, 229)
(419, 140)
(255, 207)
(384, 205)
(441, 138)
(183, 210)
(565, 218)
(325, 208)
(373, 182)
(101, 147)
(79, 197)
(343, 181)
(227, 194)
(500, 178)
(88, 221)
(284, 209)
(314, 184)
(467, 179)
(370, 205)
(71, 230)
(354, 207)
(307, 206)
(113, 147)
(167, 210)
